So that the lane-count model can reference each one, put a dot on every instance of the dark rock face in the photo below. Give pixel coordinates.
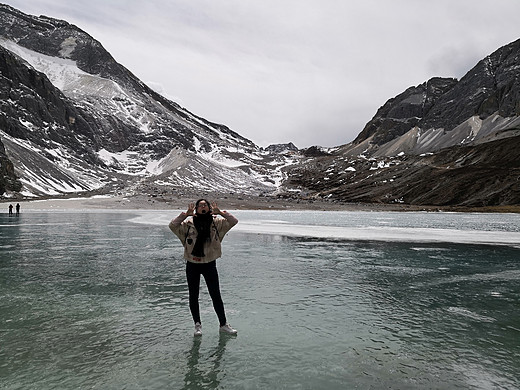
(405, 111)
(8, 179)
(314, 151)
(281, 148)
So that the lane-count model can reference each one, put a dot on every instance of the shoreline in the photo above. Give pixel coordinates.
(142, 202)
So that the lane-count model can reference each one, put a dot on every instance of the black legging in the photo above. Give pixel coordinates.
(209, 271)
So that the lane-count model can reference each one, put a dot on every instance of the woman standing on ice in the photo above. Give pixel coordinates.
(201, 236)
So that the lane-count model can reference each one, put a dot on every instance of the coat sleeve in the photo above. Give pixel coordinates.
(225, 224)
(179, 228)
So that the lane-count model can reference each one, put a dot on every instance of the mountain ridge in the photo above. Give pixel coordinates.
(410, 151)
(441, 105)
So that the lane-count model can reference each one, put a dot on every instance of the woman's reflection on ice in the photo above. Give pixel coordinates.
(204, 367)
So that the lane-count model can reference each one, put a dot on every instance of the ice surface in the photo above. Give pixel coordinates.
(394, 234)
(379, 231)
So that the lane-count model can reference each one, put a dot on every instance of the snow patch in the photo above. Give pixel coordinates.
(67, 47)
(64, 73)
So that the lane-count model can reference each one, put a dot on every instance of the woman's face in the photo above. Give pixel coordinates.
(202, 207)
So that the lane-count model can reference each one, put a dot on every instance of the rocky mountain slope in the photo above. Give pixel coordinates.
(481, 175)
(444, 142)
(73, 119)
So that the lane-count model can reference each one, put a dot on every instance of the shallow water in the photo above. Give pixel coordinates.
(92, 299)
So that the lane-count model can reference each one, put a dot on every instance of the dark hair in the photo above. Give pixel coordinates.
(202, 224)
(207, 202)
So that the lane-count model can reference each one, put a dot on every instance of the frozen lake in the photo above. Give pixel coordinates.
(321, 300)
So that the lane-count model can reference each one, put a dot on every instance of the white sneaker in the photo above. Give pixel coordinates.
(227, 329)
(198, 329)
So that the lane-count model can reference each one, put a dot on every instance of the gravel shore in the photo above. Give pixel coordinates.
(143, 202)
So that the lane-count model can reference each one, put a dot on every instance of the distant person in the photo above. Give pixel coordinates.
(10, 209)
(18, 209)
(201, 230)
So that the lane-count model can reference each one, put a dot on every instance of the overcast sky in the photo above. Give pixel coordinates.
(312, 72)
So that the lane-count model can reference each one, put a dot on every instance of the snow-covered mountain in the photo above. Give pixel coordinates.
(74, 120)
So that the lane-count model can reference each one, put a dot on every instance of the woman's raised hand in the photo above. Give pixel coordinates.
(214, 209)
(191, 209)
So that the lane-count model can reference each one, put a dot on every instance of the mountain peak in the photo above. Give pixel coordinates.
(96, 117)
(405, 111)
(444, 112)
